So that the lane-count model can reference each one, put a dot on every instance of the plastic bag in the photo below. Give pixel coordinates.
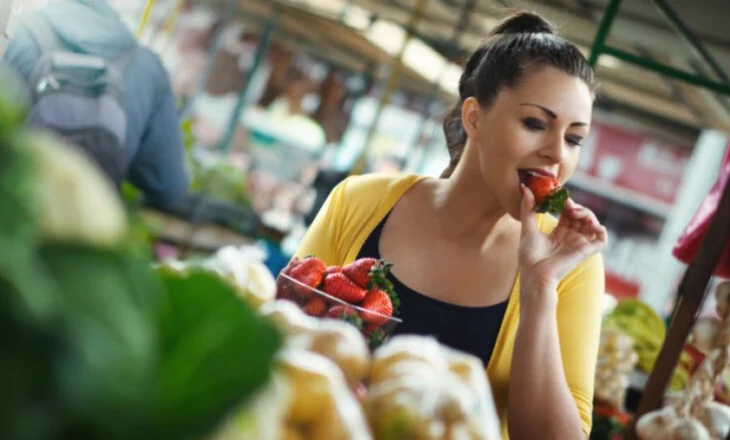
(688, 245)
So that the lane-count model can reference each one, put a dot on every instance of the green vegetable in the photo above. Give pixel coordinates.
(216, 352)
(93, 343)
(87, 364)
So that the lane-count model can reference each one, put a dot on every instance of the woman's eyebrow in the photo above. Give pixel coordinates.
(551, 113)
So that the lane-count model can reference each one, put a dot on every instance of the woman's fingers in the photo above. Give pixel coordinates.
(602, 235)
(578, 218)
(527, 214)
(579, 212)
(294, 261)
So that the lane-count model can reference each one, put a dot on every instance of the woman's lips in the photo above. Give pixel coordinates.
(539, 172)
(523, 173)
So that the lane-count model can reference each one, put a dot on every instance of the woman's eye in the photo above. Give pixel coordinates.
(575, 141)
(534, 124)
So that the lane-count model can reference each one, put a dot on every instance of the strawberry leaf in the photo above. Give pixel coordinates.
(543, 207)
(558, 199)
(555, 202)
(352, 319)
(375, 338)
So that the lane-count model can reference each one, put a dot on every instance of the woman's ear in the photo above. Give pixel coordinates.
(470, 116)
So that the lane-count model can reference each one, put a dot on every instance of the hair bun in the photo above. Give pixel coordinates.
(524, 23)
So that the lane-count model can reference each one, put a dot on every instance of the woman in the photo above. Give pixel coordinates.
(473, 265)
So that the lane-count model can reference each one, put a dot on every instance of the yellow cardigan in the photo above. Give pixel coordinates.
(358, 204)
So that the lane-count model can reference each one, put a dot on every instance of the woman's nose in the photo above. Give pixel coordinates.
(555, 150)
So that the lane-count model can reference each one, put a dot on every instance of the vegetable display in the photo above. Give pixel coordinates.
(616, 361)
(94, 344)
(639, 321)
(694, 414)
(97, 342)
(327, 385)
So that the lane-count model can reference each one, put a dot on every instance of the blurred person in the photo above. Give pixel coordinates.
(473, 264)
(143, 143)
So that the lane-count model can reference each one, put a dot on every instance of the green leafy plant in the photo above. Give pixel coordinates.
(215, 352)
(96, 345)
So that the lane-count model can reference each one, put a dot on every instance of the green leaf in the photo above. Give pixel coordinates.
(555, 202)
(216, 353)
(558, 199)
(106, 372)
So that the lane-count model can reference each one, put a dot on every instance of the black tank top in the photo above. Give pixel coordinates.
(470, 329)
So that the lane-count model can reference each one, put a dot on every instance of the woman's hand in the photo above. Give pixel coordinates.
(546, 259)
(283, 284)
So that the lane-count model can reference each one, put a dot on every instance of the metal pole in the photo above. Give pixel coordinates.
(213, 50)
(602, 33)
(171, 21)
(665, 70)
(261, 49)
(392, 83)
(145, 17)
(673, 18)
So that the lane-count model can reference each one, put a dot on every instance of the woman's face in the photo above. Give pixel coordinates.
(536, 126)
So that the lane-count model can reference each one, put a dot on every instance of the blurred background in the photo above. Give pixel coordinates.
(279, 100)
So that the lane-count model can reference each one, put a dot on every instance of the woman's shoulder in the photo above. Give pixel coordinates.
(369, 190)
(358, 200)
(378, 184)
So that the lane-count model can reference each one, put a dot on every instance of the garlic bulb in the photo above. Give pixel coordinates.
(722, 294)
(657, 425)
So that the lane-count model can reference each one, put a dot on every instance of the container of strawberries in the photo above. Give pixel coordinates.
(359, 293)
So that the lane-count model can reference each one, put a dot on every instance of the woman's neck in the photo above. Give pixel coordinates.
(466, 210)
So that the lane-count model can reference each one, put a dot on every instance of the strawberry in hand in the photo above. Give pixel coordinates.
(546, 258)
(549, 195)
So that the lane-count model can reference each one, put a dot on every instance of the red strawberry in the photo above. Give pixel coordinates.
(541, 186)
(359, 271)
(379, 302)
(339, 286)
(345, 313)
(549, 195)
(287, 293)
(309, 272)
(368, 272)
(315, 306)
(333, 269)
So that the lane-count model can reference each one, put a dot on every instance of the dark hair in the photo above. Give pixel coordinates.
(523, 40)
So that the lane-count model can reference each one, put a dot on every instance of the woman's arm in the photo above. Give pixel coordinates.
(540, 402)
(553, 363)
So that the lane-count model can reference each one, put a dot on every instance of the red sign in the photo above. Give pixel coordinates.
(634, 161)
